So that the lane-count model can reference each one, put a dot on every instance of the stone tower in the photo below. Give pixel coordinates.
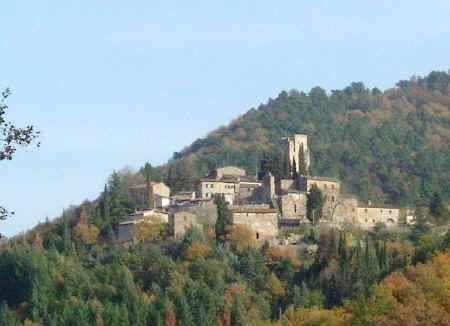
(293, 145)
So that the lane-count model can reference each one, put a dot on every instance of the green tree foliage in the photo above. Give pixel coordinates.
(302, 167)
(224, 218)
(314, 204)
(148, 173)
(389, 147)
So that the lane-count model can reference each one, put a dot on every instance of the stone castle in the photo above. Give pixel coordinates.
(265, 205)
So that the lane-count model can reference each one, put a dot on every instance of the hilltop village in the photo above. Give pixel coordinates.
(266, 206)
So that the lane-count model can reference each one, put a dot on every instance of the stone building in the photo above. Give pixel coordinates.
(126, 231)
(370, 216)
(293, 145)
(231, 182)
(262, 220)
(180, 222)
(161, 194)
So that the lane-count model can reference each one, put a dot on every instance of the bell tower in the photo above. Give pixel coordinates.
(293, 146)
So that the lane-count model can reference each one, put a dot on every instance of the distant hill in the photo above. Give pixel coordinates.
(390, 147)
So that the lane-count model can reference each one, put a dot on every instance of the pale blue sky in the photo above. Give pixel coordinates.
(117, 83)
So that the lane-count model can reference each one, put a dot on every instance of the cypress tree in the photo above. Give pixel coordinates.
(148, 181)
(286, 166)
(314, 204)
(302, 168)
(294, 170)
(66, 233)
(224, 218)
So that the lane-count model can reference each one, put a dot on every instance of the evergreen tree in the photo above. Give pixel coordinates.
(66, 233)
(224, 218)
(437, 207)
(148, 171)
(302, 167)
(286, 166)
(314, 204)
(237, 314)
(294, 170)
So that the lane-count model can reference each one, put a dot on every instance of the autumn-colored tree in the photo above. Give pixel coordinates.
(241, 237)
(151, 227)
(315, 317)
(198, 250)
(88, 233)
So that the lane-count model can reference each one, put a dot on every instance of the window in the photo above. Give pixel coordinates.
(332, 186)
(332, 198)
(295, 208)
(257, 235)
(365, 210)
(373, 221)
(212, 185)
(381, 211)
(325, 186)
(390, 212)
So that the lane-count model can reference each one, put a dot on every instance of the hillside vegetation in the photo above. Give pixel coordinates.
(389, 147)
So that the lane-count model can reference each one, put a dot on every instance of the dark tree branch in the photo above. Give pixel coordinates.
(12, 137)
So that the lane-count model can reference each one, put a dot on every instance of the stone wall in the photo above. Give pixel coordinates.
(206, 213)
(329, 188)
(228, 170)
(292, 146)
(370, 216)
(161, 189)
(263, 221)
(209, 188)
(181, 221)
(286, 185)
(345, 210)
(293, 205)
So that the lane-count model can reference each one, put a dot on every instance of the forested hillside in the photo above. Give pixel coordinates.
(390, 147)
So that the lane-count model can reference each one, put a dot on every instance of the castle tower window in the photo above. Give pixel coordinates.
(257, 235)
(295, 208)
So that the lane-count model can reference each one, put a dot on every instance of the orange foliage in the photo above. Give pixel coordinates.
(315, 317)
(276, 255)
(241, 237)
(88, 233)
(198, 251)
